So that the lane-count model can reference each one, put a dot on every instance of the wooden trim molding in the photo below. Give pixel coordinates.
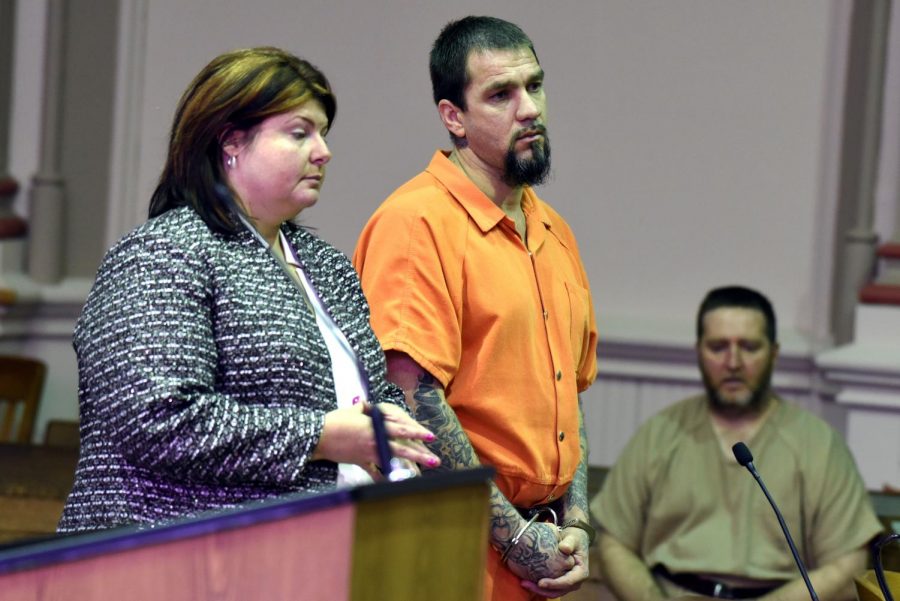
(880, 294)
(7, 297)
(8, 186)
(12, 227)
(889, 250)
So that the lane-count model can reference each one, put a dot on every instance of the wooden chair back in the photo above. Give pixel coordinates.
(21, 383)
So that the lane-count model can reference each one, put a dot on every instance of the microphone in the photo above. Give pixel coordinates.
(745, 458)
(389, 465)
(381, 438)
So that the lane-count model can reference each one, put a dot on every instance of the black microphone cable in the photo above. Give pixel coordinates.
(745, 458)
(879, 568)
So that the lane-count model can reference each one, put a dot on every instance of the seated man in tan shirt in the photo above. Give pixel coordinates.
(680, 516)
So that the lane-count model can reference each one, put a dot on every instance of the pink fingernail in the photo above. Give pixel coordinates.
(433, 462)
(430, 437)
(355, 400)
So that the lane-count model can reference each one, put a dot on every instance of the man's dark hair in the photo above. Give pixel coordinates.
(737, 296)
(450, 52)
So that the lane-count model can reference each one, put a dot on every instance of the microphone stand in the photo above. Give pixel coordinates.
(879, 568)
(745, 458)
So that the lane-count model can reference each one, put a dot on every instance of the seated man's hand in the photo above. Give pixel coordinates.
(575, 543)
(537, 554)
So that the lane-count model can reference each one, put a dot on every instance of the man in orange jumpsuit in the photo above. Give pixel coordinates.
(482, 305)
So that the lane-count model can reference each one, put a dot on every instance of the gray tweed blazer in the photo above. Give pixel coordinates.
(203, 380)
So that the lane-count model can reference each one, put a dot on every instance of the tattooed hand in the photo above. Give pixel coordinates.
(574, 543)
(537, 554)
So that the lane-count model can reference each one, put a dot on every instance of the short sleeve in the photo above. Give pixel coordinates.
(842, 519)
(409, 276)
(621, 505)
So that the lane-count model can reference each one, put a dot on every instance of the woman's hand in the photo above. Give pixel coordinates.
(348, 436)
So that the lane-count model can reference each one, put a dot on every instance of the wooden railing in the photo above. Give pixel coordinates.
(885, 290)
(12, 227)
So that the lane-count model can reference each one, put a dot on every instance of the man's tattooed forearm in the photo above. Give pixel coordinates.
(455, 450)
(504, 519)
(576, 496)
(431, 410)
(532, 553)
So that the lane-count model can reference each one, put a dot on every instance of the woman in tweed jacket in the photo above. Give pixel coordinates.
(206, 375)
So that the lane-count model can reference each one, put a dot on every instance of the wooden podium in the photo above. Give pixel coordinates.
(423, 538)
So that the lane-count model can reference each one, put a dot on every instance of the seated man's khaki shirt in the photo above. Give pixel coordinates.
(675, 498)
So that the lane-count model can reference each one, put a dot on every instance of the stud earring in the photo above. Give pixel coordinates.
(231, 161)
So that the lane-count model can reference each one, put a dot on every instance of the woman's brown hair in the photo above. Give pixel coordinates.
(235, 91)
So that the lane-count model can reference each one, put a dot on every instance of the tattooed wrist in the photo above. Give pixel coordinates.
(533, 552)
(576, 497)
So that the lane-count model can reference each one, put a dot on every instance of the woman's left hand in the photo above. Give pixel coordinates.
(407, 437)
(348, 436)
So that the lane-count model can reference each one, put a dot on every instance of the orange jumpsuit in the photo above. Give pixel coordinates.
(508, 329)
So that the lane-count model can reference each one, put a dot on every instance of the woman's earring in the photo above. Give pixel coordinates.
(231, 161)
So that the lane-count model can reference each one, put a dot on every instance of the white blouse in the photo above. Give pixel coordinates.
(348, 385)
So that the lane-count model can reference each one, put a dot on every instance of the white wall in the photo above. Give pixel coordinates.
(687, 135)
(694, 141)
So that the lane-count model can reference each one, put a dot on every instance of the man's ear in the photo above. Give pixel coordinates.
(453, 117)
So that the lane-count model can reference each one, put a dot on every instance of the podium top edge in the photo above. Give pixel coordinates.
(424, 483)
